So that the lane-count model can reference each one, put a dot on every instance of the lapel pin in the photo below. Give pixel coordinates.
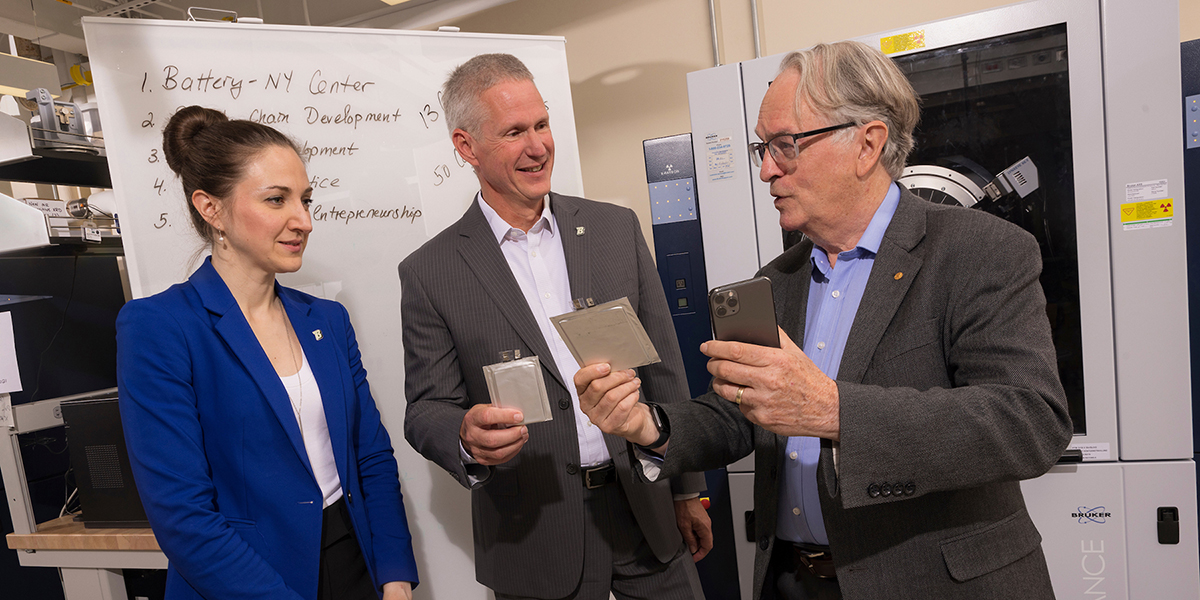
(579, 231)
(317, 334)
(899, 275)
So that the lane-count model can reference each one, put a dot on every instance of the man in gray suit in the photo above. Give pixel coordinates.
(888, 450)
(557, 511)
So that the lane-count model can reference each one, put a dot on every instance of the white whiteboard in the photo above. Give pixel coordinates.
(364, 103)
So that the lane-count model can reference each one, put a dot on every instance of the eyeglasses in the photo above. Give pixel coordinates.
(785, 146)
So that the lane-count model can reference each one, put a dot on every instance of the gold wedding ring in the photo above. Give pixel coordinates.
(738, 398)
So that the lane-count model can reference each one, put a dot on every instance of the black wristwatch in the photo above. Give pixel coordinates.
(663, 425)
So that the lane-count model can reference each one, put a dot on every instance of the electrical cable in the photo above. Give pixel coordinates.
(42, 358)
(37, 34)
(64, 511)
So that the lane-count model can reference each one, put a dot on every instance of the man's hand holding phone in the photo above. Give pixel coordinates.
(779, 389)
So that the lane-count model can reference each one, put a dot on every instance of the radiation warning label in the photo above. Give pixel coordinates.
(1147, 206)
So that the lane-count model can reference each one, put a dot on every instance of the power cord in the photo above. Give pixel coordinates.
(42, 358)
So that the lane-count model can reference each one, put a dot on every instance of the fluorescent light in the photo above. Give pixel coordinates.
(19, 75)
(394, 2)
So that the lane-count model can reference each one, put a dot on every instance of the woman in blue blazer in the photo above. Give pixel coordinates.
(256, 445)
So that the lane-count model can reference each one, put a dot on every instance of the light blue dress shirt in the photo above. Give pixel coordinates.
(833, 299)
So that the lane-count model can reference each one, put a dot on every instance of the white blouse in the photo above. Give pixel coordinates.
(310, 414)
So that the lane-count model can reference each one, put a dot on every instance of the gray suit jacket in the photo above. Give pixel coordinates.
(949, 396)
(461, 306)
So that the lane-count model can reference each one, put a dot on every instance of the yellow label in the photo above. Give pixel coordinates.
(905, 41)
(1150, 210)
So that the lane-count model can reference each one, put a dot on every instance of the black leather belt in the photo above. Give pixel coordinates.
(816, 559)
(598, 477)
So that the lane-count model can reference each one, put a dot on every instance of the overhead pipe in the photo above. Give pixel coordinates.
(712, 19)
(754, 24)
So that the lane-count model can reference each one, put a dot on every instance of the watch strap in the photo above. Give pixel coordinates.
(662, 423)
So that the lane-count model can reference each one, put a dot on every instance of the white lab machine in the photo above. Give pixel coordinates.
(1089, 90)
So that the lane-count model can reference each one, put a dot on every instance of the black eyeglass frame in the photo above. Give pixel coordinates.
(759, 149)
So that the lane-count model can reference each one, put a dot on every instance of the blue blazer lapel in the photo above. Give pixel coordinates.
(483, 256)
(231, 325)
(321, 351)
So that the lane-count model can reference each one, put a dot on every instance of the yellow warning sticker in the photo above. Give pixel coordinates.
(1148, 213)
(905, 41)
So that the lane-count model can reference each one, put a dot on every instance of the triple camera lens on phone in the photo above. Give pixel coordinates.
(726, 303)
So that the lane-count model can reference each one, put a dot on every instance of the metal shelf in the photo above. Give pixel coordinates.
(59, 167)
(53, 162)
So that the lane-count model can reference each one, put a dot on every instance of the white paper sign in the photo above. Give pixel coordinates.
(1146, 190)
(719, 156)
(51, 208)
(10, 379)
(1095, 451)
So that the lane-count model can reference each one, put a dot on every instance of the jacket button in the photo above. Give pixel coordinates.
(910, 488)
(873, 490)
(349, 497)
(572, 469)
(764, 543)
(885, 489)
(564, 404)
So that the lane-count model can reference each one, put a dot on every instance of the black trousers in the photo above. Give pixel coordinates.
(618, 559)
(788, 580)
(343, 574)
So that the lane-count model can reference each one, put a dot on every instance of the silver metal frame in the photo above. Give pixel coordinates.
(86, 574)
(25, 418)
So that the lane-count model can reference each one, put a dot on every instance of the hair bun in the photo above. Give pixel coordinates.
(182, 128)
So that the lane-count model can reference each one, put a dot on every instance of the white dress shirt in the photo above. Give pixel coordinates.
(539, 265)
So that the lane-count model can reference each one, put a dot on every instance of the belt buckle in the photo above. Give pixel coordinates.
(819, 564)
(587, 477)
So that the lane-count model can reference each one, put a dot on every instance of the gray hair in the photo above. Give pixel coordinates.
(851, 81)
(467, 82)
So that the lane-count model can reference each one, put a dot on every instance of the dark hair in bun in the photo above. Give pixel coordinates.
(209, 152)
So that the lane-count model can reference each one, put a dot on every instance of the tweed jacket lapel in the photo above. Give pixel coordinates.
(891, 275)
(894, 271)
(231, 325)
(482, 254)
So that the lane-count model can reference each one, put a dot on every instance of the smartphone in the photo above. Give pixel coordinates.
(744, 312)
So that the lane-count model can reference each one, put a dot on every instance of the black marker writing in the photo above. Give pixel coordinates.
(313, 116)
(321, 183)
(268, 117)
(318, 85)
(333, 213)
(311, 152)
(204, 82)
(273, 81)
